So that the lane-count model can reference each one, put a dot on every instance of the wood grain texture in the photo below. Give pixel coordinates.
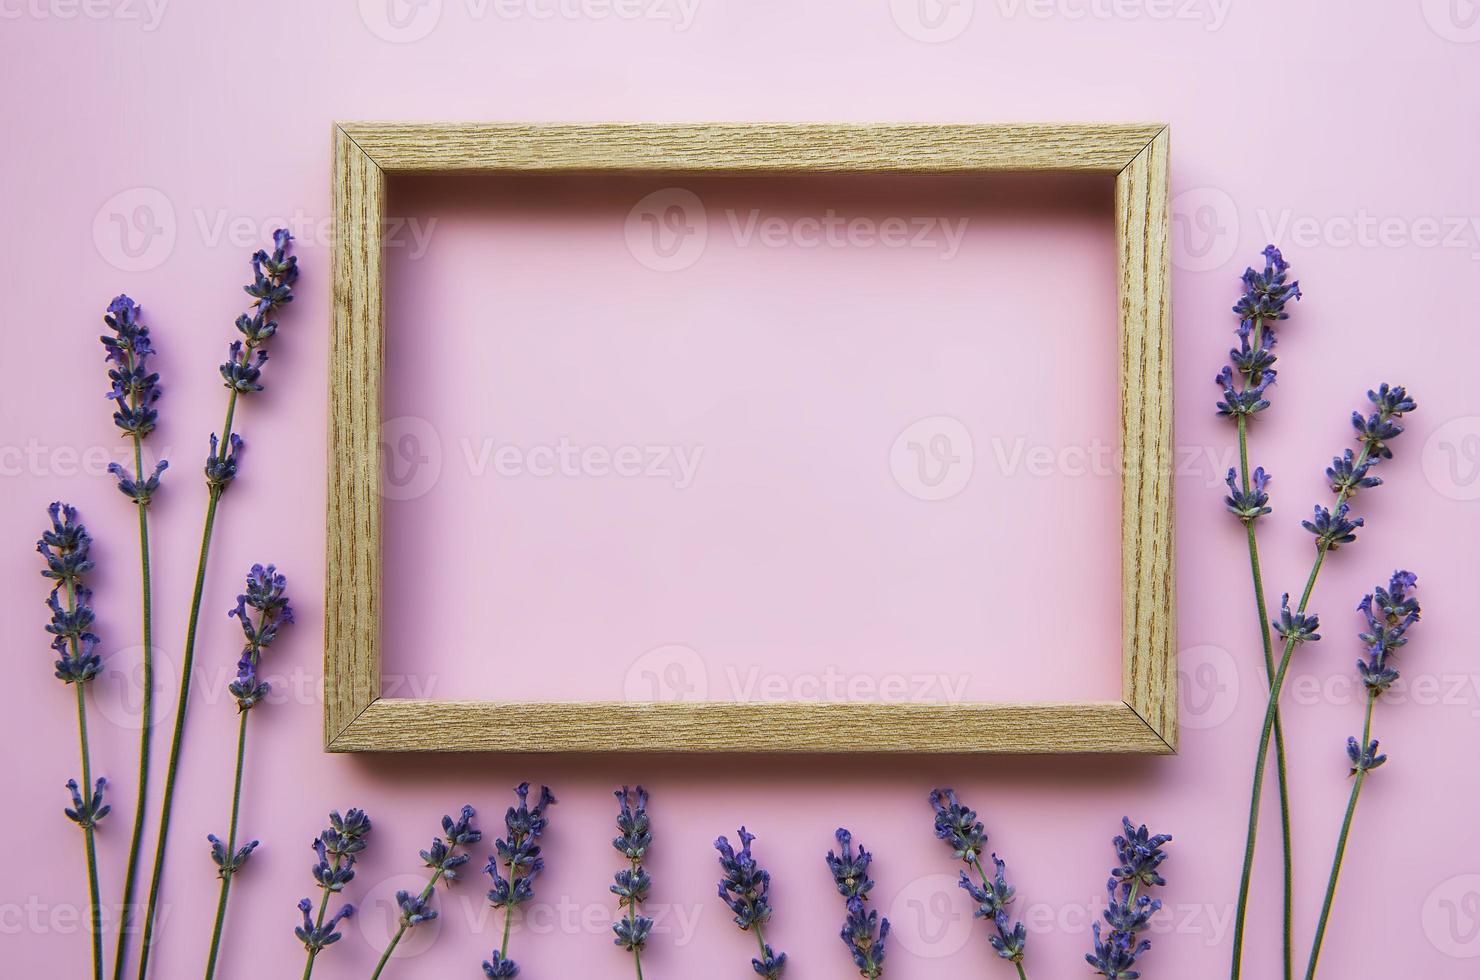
(751, 147)
(352, 560)
(409, 725)
(1148, 618)
(357, 719)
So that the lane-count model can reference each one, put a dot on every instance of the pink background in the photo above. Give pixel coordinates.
(162, 144)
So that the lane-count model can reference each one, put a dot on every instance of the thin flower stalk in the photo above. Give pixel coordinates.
(632, 883)
(135, 389)
(1246, 383)
(337, 848)
(520, 854)
(864, 933)
(1129, 911)
(443, 860)
(266, 596)
(958, 826)
(746, 889)
(273, 276)
(1331, 528)
(1389, 612)
(66, 549)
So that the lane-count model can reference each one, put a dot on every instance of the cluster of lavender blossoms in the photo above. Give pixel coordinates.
(266, 596)
(746, 889)
(958, 826)
(134, 392)
(1389, 613)
(864, 933)
(520, 854)
(1140, 855)
(443, 859)
(336, 849)
(66, 548)
(632, 884)
(273, 276)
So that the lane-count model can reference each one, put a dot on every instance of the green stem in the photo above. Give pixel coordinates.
(1346, 827)
(632, 921)
(228, 872)
(1281, 768)
(146, 719)
(96, 910)
(391, 947)
(1257, 792)
(318, 923)
(1269, 717)
(181, 702)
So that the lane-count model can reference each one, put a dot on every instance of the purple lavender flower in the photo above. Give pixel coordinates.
(632, 884)
(958, 826)
(1139, 854)
(265, 596)
(520, 854)
(443, 859)
(1332, 528)
(1267, 292)
(336, 848)
(1389, 612)
(863, 932)
(134, 392)
(65, 547)
(850, 870)
(746, 889)
(1254, 504)
(1296, 627)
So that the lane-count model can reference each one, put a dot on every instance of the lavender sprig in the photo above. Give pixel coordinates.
(273, 276)
(336, 848)
(1246, 383)
(958, 826)
(443, 860)
(864, 933)
(521, 856)
(134, 392)
(632, 883)
(1128, 912)
(1331, 527)
(66, 548)
(266, 597)
(1388, 612)
(746, 889)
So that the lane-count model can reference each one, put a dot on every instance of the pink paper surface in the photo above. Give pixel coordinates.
(153, 147)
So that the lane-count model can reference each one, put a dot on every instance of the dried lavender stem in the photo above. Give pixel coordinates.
(391, 947)
(181, 702)
(1262, 610)
(96, 910)
(136, 840)
(229, 872)
(1346, 826)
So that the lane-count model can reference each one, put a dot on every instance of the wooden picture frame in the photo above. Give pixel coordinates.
(358, 719)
